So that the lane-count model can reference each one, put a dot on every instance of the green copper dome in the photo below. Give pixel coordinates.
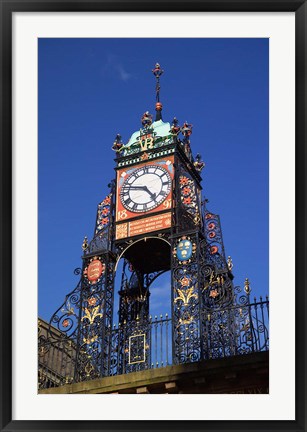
(159, 129)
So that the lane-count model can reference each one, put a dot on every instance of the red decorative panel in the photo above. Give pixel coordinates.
(94, 270)
(144, 189)
(143, 226)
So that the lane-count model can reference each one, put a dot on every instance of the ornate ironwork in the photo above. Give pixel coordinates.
(88, 355)
(211, 318)
(199, 164)
(104, 227)
(134, 320)
(214, 238)
(185, 299)
(157, 71)
(187, 195)
(238, 329)
(64, 322)
(117, 145)
(234, 330)
(57, 342)
(134, 295)
(187, 132)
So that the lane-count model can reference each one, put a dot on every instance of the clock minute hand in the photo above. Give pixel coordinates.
(137, 187)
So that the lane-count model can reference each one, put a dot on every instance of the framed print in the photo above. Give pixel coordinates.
(165, 145)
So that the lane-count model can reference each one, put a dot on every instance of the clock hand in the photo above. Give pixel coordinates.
(137, 187)
(144, 188)
(152, 195)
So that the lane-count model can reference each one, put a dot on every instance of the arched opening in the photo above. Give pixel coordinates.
(148, 255)
(142, 303)
(143, 277)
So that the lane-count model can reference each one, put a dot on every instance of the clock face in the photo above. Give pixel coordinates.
(145, 189)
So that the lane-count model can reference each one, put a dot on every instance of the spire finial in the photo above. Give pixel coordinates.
(157, 71)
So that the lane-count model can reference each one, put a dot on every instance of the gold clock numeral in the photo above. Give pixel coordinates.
(167, 203)
(122, 214)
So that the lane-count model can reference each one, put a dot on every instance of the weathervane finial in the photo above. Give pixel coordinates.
(157, 71)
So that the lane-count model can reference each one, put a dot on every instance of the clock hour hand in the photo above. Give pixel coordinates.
(144, 188)
(152, 195)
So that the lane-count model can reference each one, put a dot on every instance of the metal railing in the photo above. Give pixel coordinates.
(56, 362)
(236, 330)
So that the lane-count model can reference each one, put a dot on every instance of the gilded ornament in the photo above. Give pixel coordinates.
(88, 341)
(88, 369)
(229, 263)
(85, 244)
(185, 296)
(186, 321)
(91, 315)
(118, 144)
(70, 310)
(197, 219)
(214, 280)
(247, 287)
(198, 163)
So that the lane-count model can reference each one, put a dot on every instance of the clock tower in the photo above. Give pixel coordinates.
(155, 220)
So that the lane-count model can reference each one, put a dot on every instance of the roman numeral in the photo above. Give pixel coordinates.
(127, 201)
(131, 179)
(139, 173)
(125, 189)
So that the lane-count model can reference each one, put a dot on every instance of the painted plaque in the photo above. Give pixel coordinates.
(143, 226)
(184, 250)
(94, 270)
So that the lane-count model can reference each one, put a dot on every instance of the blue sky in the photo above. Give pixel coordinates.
(92, 89)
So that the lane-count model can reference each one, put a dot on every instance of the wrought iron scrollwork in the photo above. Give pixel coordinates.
(65, 318)
(100, 242)
(211, 318)
(104, 227)
(185, 297)
(88, 356)
(213, 236)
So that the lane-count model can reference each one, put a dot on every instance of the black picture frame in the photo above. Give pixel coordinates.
(7, 9)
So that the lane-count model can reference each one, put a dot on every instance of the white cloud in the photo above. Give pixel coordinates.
(124, 76)
(113, 63)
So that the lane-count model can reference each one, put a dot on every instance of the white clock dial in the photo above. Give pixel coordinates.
(146, 188)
